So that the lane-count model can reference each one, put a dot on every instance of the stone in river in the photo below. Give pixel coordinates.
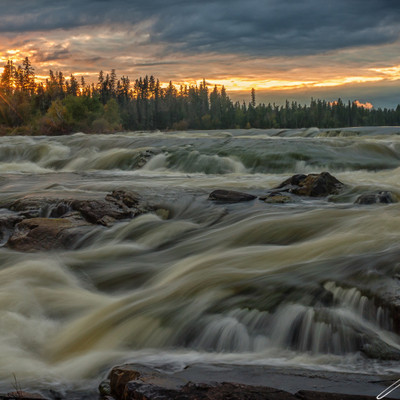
(313, 185)
(276, 198)
(47, 233)
(230, 196)
(383, 197)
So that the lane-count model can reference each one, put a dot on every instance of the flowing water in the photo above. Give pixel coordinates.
(310, 284)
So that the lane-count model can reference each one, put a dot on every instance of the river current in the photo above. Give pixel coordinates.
(310, 284)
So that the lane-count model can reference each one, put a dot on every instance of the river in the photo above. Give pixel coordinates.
(310, 284)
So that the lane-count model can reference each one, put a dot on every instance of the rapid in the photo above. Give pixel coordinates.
(311, 284)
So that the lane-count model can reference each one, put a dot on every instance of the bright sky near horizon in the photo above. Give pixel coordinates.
(283, 48)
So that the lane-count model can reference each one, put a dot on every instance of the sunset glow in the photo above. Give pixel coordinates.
(356, 62)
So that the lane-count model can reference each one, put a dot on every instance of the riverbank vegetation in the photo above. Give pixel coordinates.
(61, 105)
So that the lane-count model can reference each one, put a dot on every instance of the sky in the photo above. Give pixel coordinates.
(285, 49)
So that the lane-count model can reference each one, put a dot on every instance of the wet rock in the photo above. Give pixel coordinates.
(131, 382)
(7, 223)
(33, 207)
(119, 378)
(47, 233)
(144, 157)
(383, 197)
(163, 213)
(105, 388)
(126, 197)
(120, 204)
(276, 198)
(101, 212)
(218, 391)
(230, 196)
(147, 384)
(313, 185)
(39, 223)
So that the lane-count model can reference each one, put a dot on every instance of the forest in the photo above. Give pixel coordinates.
(62, 105)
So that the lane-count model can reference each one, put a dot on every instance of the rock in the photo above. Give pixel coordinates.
(313, 185)
(40, 223)
(163, 213)
(7, 224)
(34, 207)
(131, 382)
(148, 384)
(230, 196)
(383, 197)
(120, 204)
(105, 388)
(47, 233)
(276, 198)
(119, 378)
(101, 212)
(130, 199)
(192, 391)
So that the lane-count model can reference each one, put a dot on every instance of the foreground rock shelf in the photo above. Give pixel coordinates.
(131, 382)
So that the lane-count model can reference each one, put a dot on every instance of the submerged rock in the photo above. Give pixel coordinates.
(383, 197)
(276, 198)
(312, 185)
(47, 233)
(230, 196)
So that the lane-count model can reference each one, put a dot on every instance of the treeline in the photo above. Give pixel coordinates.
(63, 105)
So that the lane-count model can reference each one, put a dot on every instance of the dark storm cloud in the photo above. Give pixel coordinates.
(252, 27)
(57, 53)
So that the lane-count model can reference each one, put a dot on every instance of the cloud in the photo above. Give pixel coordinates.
(253, 27)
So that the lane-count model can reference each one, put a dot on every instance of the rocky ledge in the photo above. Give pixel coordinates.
(39, 223)
(135, 382)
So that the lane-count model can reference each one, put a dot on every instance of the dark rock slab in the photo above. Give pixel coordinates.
(382, 197)
(47, 233)
(312, 185)
(192, 391)
(311, 395)
(146, 384)
(230, 196)
(131, 382)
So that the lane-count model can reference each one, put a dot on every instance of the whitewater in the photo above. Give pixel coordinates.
(310, 284)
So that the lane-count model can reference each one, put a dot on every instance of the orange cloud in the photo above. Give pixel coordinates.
(366, 105)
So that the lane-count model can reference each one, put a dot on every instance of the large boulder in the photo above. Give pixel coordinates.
(313, 185)
(230, 196)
